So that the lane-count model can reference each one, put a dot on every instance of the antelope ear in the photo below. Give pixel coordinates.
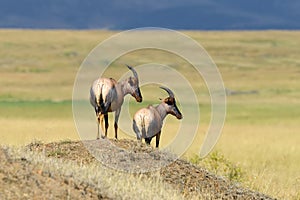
(166, 100)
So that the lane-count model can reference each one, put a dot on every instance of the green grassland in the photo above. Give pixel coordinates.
(261, 132)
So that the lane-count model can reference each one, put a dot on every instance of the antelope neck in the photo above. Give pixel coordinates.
(124, 87)
(161, 110)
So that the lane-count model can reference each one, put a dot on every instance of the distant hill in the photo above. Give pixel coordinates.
(175, 14)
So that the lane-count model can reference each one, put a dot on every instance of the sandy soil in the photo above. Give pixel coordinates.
(20, 179)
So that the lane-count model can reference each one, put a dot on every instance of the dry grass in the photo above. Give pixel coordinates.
(23, 131)
(272, 164)
(260, 132)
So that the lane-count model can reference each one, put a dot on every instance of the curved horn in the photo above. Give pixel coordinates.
(133, 71)
(171, 94)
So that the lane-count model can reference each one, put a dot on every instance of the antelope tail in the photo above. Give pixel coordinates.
(143, 128)
(100, 102)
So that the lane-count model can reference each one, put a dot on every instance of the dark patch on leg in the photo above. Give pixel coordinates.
(116, 130)
(97, 110)
(157, 139)
(106, 123)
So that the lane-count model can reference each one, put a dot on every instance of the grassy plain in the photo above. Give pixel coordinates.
(261, 132)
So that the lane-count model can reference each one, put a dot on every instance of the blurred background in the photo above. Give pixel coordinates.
(255, 44)
(175, 14)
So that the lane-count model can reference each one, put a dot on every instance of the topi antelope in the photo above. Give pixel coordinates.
(107, 95)
(147, 122)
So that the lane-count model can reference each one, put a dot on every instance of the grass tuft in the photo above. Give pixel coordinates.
(218, 164)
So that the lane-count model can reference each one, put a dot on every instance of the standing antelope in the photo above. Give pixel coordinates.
(147, 122)
(107, 95)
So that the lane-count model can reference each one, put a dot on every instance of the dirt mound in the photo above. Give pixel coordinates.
(189, 179)
(20, 179)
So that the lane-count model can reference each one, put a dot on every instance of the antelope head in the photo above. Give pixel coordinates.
(170, 104)
(134, 85)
